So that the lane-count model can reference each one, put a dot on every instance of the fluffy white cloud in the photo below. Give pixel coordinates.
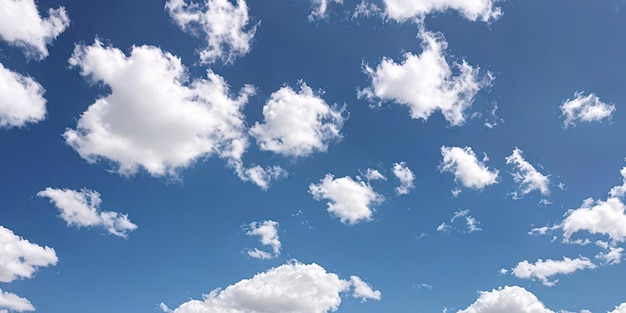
(21, 25)
(508, 299)
(402, 10)
(587, 108)
(13, 302)
(466, 168)
(426, 82)
(320, 7)
(293, 287)
(406, 177)
(620, 309)
(268, 231)
(597, 217)
(82, 209)
(225, 26)
(612, 256)
(297, 123)
(371, 174)
(19, 258)
(526, 176)
(21, 99)
(543, 270)
(350, 200)
(620, 190)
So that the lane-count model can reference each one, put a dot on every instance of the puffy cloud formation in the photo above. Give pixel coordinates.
(12, 302)
(349, 200)
(597, 217)
(297, 123)
(21, 25)
(371, 174)
(225, 26)
(620, 309)
(587, 108)
(508, 299)
(82, 209)
(402, 10)
(292, 287)
(19, 258)
(406, 177)
(466, 168)
(21, 98)
(268, 231)
(543, 270)
(526, 176)
(320, 7)
(426, 83)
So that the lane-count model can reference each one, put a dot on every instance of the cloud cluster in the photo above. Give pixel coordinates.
(82, 209)
(466, 168)
(471, 222)
(21, 99)
(510, 299)
(13, 302)
(402, 10)
(587, 108)
(526, 176)
(268, 231)
(406, 177)
(543, 270)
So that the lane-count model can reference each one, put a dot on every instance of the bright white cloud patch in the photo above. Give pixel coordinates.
(402, 10)
(620, 309)
(587, 108)
(320, 7)
(406, 177)
(293, 287)
(426, 82)
(349, 200)
(19, 258)
(508, 299)
(82, 209)
(597, 217)
(612, 256)
(21, 25)
(268, 231)
(13, 302)
(543, 270)
(21, 99)
(371, 174)
(225, 26)
(297, 123)
(526, 176)
(466, 168)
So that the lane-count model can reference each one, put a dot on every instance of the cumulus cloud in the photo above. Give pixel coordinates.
(543, 270)
(371, 174)
(406, 177)
(512, 299)
(82, 209)
(526, 176)
(597, 217)
(268, 231)
(12, 302)
(20, 258)
(620, 309)
(466, 168)
(21, 99)
(320, 7)
(473, 10)
(22, 26)
(298, 123)
(349, 200)
(587, 108)
(426, 83)
(226, 27)
(293, 287)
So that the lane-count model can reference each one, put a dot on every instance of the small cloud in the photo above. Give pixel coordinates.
(466, 168)
(268, 231)
(587, 108)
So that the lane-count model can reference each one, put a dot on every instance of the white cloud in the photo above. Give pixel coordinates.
(508, 299)
(587, 108)
(466, 168)
(363, 290)
(13, 302)
(19, 258)
(543, 270)
(402, 10)
(426, 82)
(21, 99)
(293, 287)
(371, 174)
(611, 257)
(406, 177)
(268, 231)
(443, 227)
(366, 9)
(298, 123)
(225, 26)
(526, 176)
(82, 209)
(320, 7)
(22, 26)
(620, 190)
(597, 217)
(620, 309)
(472, 224)
(349, 200)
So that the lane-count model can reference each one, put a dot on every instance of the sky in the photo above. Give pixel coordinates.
(313, 156)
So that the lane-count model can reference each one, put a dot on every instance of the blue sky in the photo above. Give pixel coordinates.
(312, 156)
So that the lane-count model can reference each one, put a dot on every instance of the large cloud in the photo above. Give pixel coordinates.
(224, 25)
(526, 176)
(508, 299)
(20, 258)
(21, 25)
(543, 270)
(426, 82)
(620, 309)
(82, 209)
(402, 10)
(21, 99)
(13, 302)
(466, 168)
(587, 108)
(268, 231)
(293, 287)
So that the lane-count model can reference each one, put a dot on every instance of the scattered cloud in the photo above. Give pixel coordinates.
(403, 10)
(466, 168)
(268, 231)
(620, 309)
(587, 108)
(371, 174)
(12, 302)
(366, 9)
(319, 8)
(426, 83)
(612, 256)
(543, 270)
(512, 299)
(471, 222)
(82, 209)
(526, 176)
(349, 200)
(20, 258)
(22, 26)
(225, 26)
(597, 217)
(21, 98)
(298, 123)
(406, 177)
(292, 287)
